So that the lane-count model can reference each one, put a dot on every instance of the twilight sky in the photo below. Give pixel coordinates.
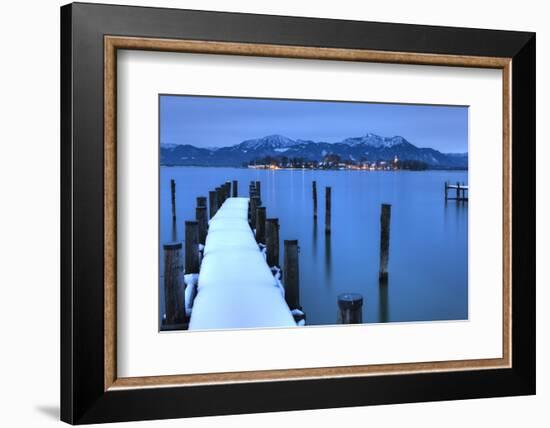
(217, 121)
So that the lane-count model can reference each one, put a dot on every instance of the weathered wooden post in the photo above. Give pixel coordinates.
(219, 192)
(201, 201)
(254, 204)
(291, 274)
(446, 191)
(235, 188)
(227, 189)
(224, 192)
(314, 190)
(173, 196)
(350, 308)
(457, 191)
(327, 209)
(260, 224)
(213, 196)
(384, 242)
(202, 220)
(192, 260)
(174, 288)
(259, 189)
(272, 241)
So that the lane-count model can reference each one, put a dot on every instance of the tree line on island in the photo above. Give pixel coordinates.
(333, 161)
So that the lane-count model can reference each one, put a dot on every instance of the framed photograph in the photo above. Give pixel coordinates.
(266, 213)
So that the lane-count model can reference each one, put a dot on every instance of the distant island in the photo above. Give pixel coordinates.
(370, 151)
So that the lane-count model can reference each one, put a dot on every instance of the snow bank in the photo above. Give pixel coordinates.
(236, 288)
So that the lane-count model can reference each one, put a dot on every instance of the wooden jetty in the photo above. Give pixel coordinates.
(236, 286)
(460, 189)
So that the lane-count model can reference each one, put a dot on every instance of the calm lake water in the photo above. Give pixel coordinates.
(428, 262)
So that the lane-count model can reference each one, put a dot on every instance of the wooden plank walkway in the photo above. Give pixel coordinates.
(236, 288)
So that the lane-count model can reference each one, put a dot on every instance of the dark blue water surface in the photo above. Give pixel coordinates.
(428, 262)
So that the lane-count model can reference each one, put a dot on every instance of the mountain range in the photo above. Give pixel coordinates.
(369, 147)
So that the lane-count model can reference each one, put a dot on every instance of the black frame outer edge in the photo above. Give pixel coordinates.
(82, 397)
(66, 305)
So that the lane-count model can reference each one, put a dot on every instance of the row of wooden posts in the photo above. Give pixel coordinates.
(350, 304)
(385, 215)
(267, 233)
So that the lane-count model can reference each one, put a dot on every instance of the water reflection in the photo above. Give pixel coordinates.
(314, 245)
(328, 256)
(383, 306)
(428, 248)
(174, 230)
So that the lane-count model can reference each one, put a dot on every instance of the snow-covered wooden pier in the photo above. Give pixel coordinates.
(236, 287)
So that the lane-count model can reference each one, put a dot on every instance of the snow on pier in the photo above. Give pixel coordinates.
(236, 288)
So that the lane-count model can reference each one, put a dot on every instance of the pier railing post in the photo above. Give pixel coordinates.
(213, 199)
(227, 189)
(291, 274)
(350, 308)
(327, 209)
(314, 191)
(223, 188)
(201, 201)
(173, 198)
(272, 241)
(192, 260)
(235, 188)
(219, 192)
(258, 186)
(202, 220)
(385, 216)
(174, 288)
(260, 224)
(254, 204)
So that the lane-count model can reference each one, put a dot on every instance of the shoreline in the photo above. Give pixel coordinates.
(316, 169)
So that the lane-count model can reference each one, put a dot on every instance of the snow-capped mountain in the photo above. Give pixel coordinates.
(374, 140)
(367, 147)
(269, 142)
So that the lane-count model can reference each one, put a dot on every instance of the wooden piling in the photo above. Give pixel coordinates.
(201, 201)
(291, 274)
(254, 204)
(457, 191)
(192, 256)
(327, 209)
(235, 188)
(385, 216)
(202, 220)
(173, 197)
(219, 193)
(260, 224)
(272, 241)
(213, 199)
(314, 191)
(446, 191)
(350, 308)
(224, 192)
(227, 189)
(174, 288)
(258, 186)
